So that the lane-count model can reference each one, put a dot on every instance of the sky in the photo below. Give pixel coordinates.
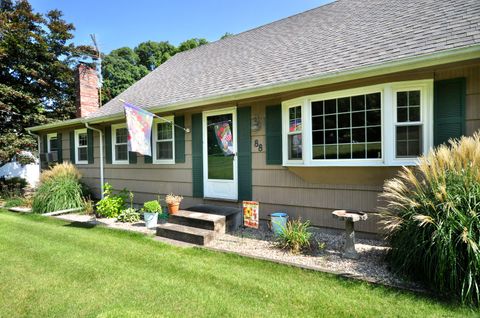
(129, 22)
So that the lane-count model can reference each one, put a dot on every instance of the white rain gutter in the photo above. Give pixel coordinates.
(101, 155)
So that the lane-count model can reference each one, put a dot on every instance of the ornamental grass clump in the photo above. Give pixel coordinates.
(432, 219)
(59, 189)
(295, 236)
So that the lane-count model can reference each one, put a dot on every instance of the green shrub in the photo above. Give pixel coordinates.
(152, 207)
(295, 236)
(14, 202)
(59, 193)
(129, 215)
(12, 187)
(112, 204)
(432, 219)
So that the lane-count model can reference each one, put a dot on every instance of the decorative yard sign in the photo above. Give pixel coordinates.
(250, 214)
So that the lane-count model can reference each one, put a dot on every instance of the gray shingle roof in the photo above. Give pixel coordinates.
(340, 36)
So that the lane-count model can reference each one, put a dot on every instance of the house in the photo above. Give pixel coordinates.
(323, 106)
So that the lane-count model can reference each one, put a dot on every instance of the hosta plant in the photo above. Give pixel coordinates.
(432, 219)
(129, 215)
(112, 204)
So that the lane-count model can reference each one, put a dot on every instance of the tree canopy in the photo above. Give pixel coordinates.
(37, 60)
(123, 67)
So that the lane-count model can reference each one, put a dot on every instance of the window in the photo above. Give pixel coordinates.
(163, 140)
(347, 127)
(120, 144)
(295, 133)
(81, 146)
(388, 124)
(408, 126)
(52, 143)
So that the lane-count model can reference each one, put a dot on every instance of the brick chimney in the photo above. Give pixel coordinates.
(87, 90)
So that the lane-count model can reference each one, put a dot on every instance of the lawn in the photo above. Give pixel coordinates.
(53, 268)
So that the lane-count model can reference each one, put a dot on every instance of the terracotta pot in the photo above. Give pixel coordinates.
(173, 208)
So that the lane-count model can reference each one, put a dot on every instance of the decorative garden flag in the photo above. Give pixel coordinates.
(139, 123)
(224, 137)
(250, 214)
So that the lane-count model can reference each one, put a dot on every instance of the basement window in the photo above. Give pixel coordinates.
(389, 124)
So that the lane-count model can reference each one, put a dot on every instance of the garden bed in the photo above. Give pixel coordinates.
(370, 266)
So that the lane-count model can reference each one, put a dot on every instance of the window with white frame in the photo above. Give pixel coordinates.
(52, 142)
(408, 125)
(387, 124)
(347, 127)
(295, 133)
(163, 140)
(120, 144)
(81, 146)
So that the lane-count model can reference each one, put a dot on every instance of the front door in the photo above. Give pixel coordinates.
(220, 154)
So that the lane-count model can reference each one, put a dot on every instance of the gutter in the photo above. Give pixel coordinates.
(101, 156)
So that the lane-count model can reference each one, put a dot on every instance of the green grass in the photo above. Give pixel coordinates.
(53, 268)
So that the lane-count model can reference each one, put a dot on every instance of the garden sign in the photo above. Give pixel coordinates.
(250, 214)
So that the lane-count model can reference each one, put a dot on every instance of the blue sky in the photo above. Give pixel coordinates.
(130, 22)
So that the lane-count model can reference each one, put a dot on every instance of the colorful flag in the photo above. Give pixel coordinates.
(224, 137)
(139, 123)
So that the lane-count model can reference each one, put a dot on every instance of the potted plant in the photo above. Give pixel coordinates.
(150, 213)
(173, 202)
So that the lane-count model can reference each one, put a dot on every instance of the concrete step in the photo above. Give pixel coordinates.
(200, 220)
(185, 233)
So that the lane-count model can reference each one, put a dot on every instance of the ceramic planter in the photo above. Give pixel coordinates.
(150, 219)
(173, 208)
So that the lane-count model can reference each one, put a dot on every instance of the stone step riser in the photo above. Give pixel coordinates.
(216, 226)
(184, 236)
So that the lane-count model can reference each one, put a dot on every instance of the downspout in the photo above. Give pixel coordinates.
(38, 148)
(101, 155)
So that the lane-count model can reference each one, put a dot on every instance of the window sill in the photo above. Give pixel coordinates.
(125, 162)
(164, 162)
(81, 163)
(352, 163)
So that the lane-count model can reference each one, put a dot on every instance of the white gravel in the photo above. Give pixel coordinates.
(370, 265)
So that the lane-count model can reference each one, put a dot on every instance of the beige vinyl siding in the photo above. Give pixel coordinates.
(312, 192)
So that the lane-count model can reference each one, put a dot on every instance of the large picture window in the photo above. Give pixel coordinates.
(163, 140)
(120, 144)
(347, 127)
(387, 124)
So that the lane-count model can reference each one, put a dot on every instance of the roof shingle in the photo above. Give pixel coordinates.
(340, 36)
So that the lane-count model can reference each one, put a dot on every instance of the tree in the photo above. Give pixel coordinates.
(151, 54)
(121, 68)
(226, 35)
(36, 73)
(191, 44)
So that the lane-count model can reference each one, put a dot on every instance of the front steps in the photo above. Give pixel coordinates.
(197, 227)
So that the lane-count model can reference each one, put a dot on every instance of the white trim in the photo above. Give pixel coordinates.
(233, 183)
(114, 143)
(388, 120)
(77, 133)
(49, 137)
(154, 141)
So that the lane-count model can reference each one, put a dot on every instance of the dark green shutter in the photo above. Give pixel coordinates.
(273, 127)
(72, 146)
(179, 139)
(132, 157)
(108, 144)
(449, 110)
(60, 148)
(197, 155)
(90, 146)
(149, 159)
(244, 153)
(45, 144)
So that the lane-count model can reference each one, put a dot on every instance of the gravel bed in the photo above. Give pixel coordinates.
(370, 265)
(112, 223)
